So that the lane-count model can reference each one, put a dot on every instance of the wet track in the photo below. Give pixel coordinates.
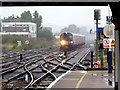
(38, 68)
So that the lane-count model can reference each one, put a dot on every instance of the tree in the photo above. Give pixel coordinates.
(71, 28)
(9, 18)
(38, 20)
(26, 16)
(45, 34)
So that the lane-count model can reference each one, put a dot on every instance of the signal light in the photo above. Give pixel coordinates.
(34, 85)
(83, 46)
(71, 42)
(115, 22)
(62, 42)
(116, 25)
(116, 83)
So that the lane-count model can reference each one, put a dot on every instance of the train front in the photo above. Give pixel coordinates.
(66, 41)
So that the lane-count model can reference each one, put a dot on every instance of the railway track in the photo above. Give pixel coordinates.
(13, 65)
(49, 66)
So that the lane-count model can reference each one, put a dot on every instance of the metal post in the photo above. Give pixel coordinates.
(20, 57)
(107, 54)
(117, 60)
(102, 53)
(96, 17)
(92, 50)
(119, 63)
(96, 40)
(91, 59)
(109, 61)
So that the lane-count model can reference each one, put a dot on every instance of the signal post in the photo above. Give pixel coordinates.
(97, 17)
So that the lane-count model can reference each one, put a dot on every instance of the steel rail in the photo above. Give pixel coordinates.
(24, 72)
(30, 74)
(15, 68)
(80, 60)
(52, 70)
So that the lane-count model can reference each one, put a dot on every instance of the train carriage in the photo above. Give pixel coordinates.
(69, 41)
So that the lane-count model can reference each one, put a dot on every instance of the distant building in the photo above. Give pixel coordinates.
(48, 28)
(19, 28)
(16, 20)
(57, 35)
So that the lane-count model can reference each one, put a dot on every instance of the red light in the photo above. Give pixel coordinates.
(76, 43)
(116, 25)
(34, 85)
(83, 46)
(116, 83)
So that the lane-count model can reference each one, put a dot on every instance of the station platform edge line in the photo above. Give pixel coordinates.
(51, 85)
(79, 82)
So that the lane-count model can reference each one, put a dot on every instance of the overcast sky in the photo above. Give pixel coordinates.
(59, 17)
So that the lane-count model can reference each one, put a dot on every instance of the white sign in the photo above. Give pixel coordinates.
(26, 42)
(108, 30)
(19, 43)
(108, 43)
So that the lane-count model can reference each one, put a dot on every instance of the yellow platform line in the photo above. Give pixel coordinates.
(79, 82)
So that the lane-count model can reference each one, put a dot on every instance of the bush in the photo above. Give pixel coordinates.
(4, 47)
(105, 51)
(10, 42)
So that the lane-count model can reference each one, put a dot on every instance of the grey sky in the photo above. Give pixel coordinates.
(59, 17)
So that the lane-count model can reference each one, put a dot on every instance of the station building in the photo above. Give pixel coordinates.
(19, 28)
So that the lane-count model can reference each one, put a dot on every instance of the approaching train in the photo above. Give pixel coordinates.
(69, 41)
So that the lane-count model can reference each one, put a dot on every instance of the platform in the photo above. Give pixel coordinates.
(85, 79)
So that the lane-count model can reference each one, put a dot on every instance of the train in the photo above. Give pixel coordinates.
(69, 41)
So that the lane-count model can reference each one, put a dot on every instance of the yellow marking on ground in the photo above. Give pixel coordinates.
(69, 72)
(79, 82)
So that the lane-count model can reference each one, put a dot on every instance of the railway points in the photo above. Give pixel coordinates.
(49, 66)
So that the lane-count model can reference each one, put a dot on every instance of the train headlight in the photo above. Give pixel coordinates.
(62, 42)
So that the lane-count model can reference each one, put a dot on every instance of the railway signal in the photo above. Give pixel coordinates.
(97, 17)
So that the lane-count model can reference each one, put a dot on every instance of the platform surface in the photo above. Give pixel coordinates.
(85, 79)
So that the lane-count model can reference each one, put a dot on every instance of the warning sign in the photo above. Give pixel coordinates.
(108, 43)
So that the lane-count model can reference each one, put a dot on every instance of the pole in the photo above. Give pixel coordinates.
(96, 39)
(117, 67)
(91, 59)
(119, 62)
(109, 61)
(102, 53)
(97, 17)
